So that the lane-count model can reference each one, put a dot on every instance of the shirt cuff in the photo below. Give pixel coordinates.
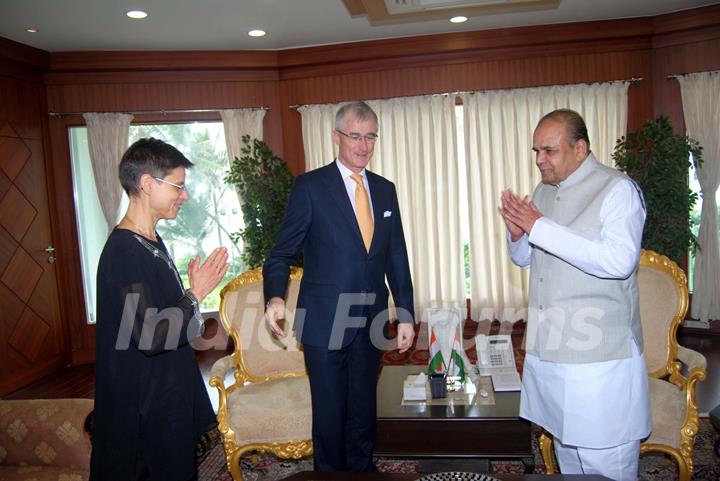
(541, 232)
(193, 300)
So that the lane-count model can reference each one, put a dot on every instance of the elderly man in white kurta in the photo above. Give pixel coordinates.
(584, 378)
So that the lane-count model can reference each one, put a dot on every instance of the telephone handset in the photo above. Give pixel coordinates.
(494, 352)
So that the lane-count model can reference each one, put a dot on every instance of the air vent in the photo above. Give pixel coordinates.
(407, 6)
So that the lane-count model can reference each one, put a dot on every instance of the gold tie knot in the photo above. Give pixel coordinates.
(358, 180)
(362, 211)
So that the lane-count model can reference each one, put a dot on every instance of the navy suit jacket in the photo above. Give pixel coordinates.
(320, 220)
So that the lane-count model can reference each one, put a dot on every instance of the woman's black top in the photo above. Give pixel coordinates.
(151, 405)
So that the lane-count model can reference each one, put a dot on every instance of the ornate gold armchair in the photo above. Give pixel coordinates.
(266, 406)
(663, 304)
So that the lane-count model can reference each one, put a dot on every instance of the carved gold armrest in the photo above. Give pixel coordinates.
(221, 368)
(692, 359)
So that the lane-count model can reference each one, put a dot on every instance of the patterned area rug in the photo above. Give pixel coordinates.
(266, 467)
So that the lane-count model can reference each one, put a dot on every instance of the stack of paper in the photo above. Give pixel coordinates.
(506, 380)
(414, 388)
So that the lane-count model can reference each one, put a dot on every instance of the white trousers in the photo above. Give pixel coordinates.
(619, 463)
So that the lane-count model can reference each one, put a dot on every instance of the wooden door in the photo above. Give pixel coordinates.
(31, 331)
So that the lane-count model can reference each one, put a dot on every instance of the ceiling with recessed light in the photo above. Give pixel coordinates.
(81, 25)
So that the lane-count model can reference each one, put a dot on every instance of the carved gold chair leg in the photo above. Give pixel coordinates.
(685, 469)
(233, 464)
(290, 450)
(546, 450)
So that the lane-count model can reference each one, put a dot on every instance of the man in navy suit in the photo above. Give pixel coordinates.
(346, 221)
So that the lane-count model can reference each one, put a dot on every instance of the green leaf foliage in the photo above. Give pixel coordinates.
(658, 159)
(263, 182)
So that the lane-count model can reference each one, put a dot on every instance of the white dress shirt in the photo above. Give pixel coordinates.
(601, 404)
(351, 185)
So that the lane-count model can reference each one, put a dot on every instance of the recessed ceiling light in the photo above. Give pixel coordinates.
(137, 14)
(256, 33)
(31, 30)
(459, 19)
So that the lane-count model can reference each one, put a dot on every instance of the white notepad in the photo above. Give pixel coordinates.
(506, 380)
(414, 388)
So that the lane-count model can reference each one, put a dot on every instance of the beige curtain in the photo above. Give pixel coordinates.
(498, 127)
(417, 150)
(108, 140)
(318, 123)
(701, 107)
(239, 122)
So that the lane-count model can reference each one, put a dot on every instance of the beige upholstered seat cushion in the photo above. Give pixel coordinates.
(270, 412)
(668, 411)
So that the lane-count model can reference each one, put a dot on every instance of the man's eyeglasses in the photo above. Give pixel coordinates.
(369, 138)
(179, 188)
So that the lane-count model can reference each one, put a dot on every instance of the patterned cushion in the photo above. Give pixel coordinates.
(43, 433)
(42, 473)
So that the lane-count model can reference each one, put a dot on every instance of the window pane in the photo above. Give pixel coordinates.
(92, 228)
(695, 219)
(464, 201)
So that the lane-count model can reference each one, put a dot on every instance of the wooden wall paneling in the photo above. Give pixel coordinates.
(684, 42)
(23, 55)
(114, 97)
(32, 330)
(680, 59)
(162, 60)
(687, 21)
(472, 74)
(116, 92)
(273, 121)
(517, 38)
(7, 248)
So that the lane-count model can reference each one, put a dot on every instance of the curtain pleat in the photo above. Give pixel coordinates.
(239, 122)
(108, 140)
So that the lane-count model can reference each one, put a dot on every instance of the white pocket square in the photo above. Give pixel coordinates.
(387, 213)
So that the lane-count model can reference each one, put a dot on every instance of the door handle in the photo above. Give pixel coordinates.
(50, 250)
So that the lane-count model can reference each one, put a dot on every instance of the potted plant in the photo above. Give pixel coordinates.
(659, 161)
(263, 183)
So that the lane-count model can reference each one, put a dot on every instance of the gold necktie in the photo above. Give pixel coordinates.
(362, 211)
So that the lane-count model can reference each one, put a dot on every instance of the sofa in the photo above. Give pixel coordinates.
(44, 440)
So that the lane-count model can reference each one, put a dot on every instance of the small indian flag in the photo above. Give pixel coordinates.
(455, 365)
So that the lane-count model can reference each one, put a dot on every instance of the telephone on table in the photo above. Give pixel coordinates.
(497, 360)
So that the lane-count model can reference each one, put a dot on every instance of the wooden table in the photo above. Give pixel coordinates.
(425, 431)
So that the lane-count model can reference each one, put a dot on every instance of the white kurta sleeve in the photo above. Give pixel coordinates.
(520, 251)
(615, 253)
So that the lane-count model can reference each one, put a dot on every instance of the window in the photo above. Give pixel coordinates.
(204, 222)
(695, 220)
(464, 201)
